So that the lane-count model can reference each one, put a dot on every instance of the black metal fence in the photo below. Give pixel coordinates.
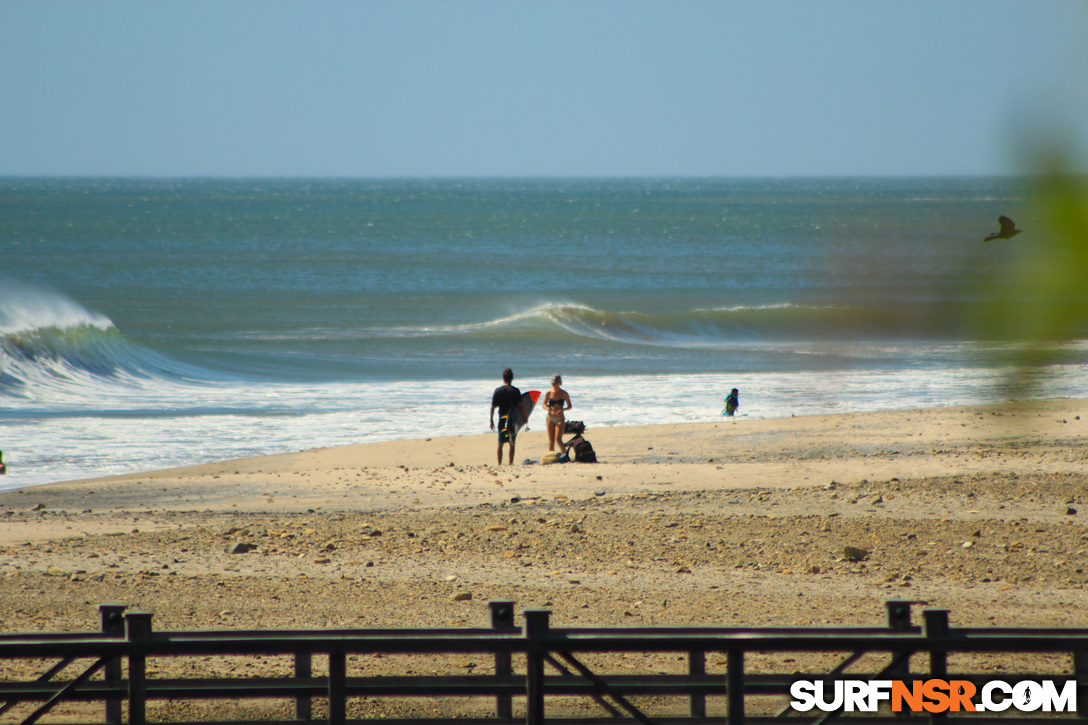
(552, 663)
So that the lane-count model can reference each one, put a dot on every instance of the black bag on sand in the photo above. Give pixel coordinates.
(583, 451)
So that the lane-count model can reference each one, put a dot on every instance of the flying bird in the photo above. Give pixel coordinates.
(1008, 229)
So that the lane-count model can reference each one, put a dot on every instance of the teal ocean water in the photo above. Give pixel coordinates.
(153, 323)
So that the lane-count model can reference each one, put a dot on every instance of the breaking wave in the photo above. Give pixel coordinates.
(701, 327)
(49, 342)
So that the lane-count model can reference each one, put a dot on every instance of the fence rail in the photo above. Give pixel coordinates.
(114, 665)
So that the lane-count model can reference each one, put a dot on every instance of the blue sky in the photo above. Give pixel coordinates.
(521, 88)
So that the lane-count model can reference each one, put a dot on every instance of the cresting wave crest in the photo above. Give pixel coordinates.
(48, 341)
(784, 322)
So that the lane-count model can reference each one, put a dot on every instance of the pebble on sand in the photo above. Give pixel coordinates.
(854, 553)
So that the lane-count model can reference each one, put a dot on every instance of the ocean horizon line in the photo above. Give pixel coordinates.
(524, 177)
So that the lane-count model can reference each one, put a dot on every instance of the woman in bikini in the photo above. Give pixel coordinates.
(556, 401)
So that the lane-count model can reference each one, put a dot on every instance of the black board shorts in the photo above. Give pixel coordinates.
(507, 434)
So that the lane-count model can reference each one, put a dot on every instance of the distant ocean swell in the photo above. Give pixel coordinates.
(764, 323)
(697, 327)
(64, 347)
(82, 343)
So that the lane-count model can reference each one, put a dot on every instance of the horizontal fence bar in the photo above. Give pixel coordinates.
(467, 685)
(423, 644)
(675, 720)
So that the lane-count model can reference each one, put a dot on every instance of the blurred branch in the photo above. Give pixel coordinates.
(1040, 303)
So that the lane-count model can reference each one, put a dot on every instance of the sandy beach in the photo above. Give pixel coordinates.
(441, 472)
(980, 510)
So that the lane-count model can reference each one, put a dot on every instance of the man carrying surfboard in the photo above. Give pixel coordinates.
(506, 397)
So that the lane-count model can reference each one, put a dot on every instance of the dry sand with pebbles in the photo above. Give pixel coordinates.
(979, 510)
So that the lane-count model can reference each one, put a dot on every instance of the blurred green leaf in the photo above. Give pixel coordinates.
(1039, 302)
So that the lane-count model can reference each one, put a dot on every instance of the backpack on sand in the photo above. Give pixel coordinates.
(583, 451)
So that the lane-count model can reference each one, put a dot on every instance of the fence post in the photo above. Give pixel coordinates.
(137, 632)
(502, 619)
(898, 614)
(536, 631)
(113, 624)
(303, 671)
(935, 626)
(697, 668)
(338, 687)
(734, 686)
(1080, 672)
(899, 621)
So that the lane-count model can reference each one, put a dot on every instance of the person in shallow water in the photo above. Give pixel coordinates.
(505, 397)
(556, 401)
(732, 402)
